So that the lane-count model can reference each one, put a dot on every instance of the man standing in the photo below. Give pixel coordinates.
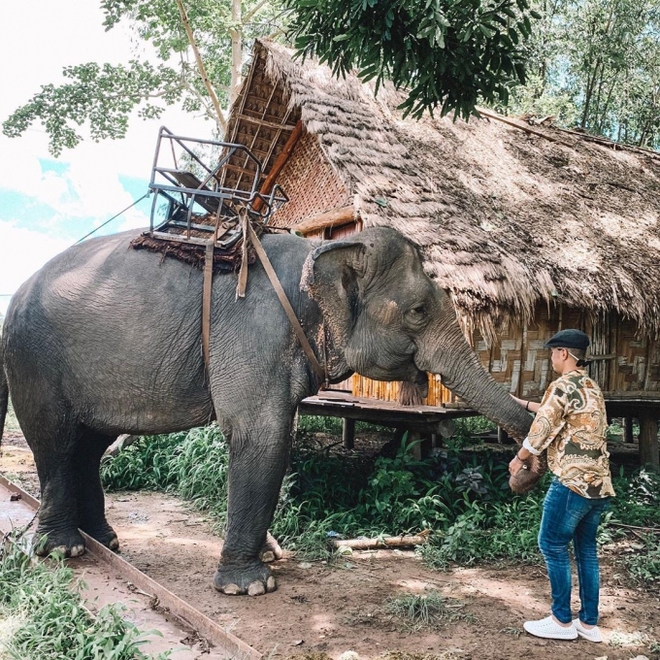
(570, 424)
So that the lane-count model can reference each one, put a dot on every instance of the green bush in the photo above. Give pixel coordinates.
(462, 498)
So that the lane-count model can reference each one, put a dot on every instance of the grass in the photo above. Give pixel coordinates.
(424, 611)
(462, 497)
(42, 618)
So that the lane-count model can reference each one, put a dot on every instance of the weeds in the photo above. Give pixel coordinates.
(424, 611)
(42, 618)
(11, 423)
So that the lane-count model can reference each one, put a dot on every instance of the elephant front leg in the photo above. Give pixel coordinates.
(257, 463)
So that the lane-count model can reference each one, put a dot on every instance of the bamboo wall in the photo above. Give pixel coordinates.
(622, 361)
(311, 184)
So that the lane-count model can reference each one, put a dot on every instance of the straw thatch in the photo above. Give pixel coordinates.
(503, 218)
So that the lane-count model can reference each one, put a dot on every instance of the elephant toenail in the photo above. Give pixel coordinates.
(114, 545)
(231, 589)
(268, 557)
(271, 585)
(77, 550)
(256, 589)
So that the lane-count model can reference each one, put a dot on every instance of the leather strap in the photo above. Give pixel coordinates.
(284, 301)
(206, 301)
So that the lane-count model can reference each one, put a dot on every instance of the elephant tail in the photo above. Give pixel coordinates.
(4, 394)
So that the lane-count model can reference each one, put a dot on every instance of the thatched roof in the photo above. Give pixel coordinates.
(504, 219)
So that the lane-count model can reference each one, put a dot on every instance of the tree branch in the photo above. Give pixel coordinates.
(253, 11)
(200, 66)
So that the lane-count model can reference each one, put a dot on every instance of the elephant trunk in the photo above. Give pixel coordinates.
(444, 350)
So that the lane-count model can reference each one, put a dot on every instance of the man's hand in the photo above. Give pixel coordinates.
(526, 473)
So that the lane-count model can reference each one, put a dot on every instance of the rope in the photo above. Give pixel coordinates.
(137, 201)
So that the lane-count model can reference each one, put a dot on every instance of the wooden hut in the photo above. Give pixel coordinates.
(529, 228)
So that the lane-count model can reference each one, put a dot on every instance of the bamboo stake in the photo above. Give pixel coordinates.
(200, 66)
(386, 542)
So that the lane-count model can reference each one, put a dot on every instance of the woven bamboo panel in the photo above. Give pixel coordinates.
(389, 391)
(311, 184)
(262, 121)
(632, 355)
(652, 383)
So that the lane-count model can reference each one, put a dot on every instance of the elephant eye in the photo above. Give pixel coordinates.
(419, 311)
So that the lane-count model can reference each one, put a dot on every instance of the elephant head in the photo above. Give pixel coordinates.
(389, 321)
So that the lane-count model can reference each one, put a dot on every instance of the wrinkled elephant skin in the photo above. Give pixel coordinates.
(106, 340)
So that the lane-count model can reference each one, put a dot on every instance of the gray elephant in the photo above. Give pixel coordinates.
(106, 340)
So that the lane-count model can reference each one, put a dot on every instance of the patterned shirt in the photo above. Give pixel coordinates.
(571, 425)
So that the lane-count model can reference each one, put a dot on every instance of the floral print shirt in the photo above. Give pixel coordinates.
(571, 425)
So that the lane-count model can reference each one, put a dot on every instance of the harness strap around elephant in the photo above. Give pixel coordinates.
(249, 235)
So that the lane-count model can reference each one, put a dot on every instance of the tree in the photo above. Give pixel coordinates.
(446, 53)
(596, 65)
(103, 97)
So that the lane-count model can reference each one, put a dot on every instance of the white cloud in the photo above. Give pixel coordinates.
(22, 253)
(37, 39)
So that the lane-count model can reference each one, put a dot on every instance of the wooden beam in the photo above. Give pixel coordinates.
(522, 127)
(263, 122)
(648, 439)
(335, 218)
(279, 164)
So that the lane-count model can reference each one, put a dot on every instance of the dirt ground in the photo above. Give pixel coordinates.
(321, 611)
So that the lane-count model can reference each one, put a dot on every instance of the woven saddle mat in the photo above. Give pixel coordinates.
(224, 260)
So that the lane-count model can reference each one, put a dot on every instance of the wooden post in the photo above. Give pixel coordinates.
(348, 433)
(502, 436)
(648, 439)
(628, 429)
(278, 165)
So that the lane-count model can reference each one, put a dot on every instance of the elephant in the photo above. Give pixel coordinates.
(106, 340)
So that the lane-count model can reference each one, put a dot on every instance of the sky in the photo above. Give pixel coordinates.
(46, 203)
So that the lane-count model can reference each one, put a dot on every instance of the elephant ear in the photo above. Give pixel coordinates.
(331, 275)
(334, 256)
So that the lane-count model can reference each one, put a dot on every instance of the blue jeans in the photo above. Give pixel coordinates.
(568, 516)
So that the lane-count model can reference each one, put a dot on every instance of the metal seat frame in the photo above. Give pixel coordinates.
(182, 190)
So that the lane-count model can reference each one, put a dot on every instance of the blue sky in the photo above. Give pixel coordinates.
(46, 203)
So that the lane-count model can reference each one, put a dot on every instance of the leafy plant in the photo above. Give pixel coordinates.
(446, 54)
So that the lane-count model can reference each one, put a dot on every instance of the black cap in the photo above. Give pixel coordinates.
(569, 338)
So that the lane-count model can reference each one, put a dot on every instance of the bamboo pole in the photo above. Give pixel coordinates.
(386, 542)
(278, 165)
(335, 218)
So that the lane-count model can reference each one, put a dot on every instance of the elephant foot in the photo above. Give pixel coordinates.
(104, 534)
(254, 579)
(67, 542)
(271, 550)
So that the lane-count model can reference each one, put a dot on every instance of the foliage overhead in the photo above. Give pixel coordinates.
(595, 64)
(445, 53)
(100, 100)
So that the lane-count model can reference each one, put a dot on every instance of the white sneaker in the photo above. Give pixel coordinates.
(592, 634)
(548, 628)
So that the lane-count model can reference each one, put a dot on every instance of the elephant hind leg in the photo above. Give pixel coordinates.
(58, 514)
(91, 500)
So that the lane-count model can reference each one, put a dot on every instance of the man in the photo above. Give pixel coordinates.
(570, 424)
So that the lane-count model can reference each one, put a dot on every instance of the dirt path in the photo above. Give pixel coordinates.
(330, 609)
